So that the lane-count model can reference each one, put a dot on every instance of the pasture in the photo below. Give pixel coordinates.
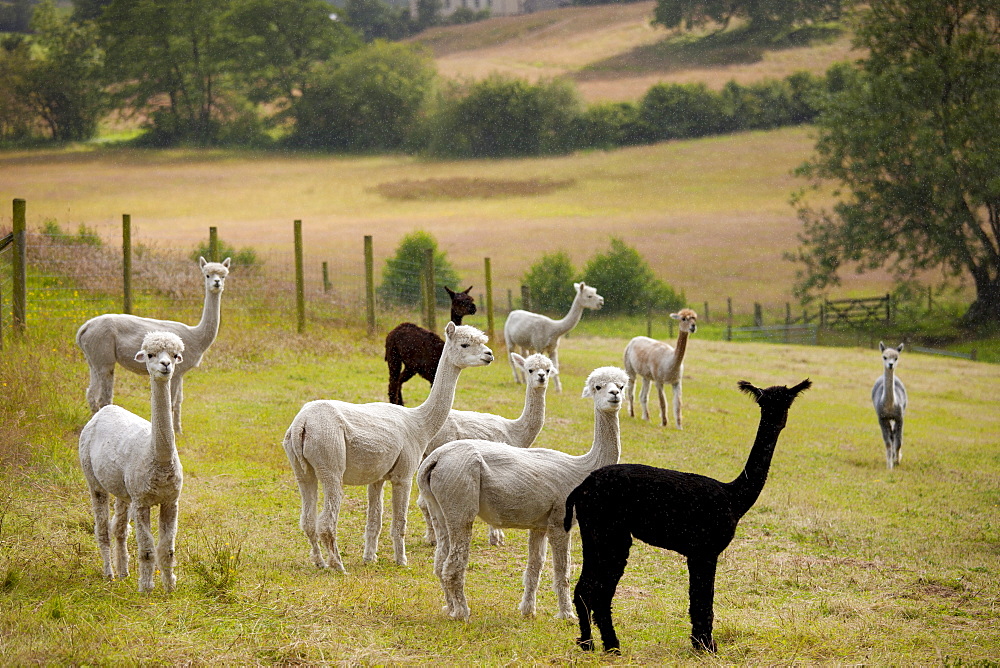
(839, 562)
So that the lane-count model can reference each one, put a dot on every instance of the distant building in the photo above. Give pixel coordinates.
(496, 7)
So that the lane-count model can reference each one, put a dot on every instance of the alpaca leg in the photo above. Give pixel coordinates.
(629, 391)
(119, 529)
(101, 390)
(326, 524)
(395, 385)
(374, 525)
(604, 559)
(663, 402)
(496, 536)
(177, 392)
(582, 598)
(887, 438)
(702, 594)
(456, 563)
(147, 550)
(532, 571)
(429, 535)
(677, 406)
(560, 571)
(309, 493)
(644, 398)
(554, 356)
(99, 501)
(899, 441)
(406, 375)
(165, 545)
(400, 506)
(510, 360)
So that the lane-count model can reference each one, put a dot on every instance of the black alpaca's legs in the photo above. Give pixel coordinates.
(395, 384)
(604, 563)
(702, 593)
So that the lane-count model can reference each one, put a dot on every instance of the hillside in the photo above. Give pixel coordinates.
(614, 53)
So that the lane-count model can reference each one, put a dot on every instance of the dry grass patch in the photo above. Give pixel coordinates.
(465, 188)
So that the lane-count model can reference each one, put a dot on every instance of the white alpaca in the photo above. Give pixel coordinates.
(659, 363)
(519, 433)
(890, 406)
(528, 332)
(338, 443)
(112, 337)
(136, 461)
(515, 489)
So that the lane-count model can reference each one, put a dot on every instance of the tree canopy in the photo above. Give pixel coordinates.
(912, 143)
(690, 14)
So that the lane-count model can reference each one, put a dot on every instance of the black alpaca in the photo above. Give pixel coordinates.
(685, 512)
(410, 349)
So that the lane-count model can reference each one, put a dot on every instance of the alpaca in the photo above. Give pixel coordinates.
(528, 332)
(109, 338)
(684, 512)
(519, 433)
(658, 362)
(418, 349)
(890, 406)
(517, 489)
(134, 460)
(338, 443)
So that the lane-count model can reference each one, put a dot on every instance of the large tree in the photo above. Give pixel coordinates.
(764, 14)
(913, 145)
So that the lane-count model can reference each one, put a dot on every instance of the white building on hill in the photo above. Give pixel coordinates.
(496, 7)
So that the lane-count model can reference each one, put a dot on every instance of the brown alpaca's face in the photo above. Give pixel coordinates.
(687, 319)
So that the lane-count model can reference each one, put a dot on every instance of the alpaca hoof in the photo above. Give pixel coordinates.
(704, 644)
(527, 610)
(586, 645)
(562, 614)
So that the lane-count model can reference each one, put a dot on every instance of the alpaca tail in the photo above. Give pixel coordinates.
(570, 503)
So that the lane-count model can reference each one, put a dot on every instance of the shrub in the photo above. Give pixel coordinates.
(84, 236)
(550, 281)
(610, 124)
(627, 283)
(676, 111)
(243, 258)
(402, 274)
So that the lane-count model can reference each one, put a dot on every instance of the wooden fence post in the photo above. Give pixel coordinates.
(788, 314)
(729, 319)
(20, 263)
(758, 315)
(704, 315)
(510, 300)
(430, 296)
(888, 307)
(488, 272)
(370, 283)
(300, 281)
(649, 322)
(326, 276)
(525, 297)
(127, 263)
(213, 244)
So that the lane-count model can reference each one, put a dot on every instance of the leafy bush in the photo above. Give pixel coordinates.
(84, 236)
(676, 111)
(402, 273)
(610, 124)
(627, 283)
(244, 258)
(550, 281)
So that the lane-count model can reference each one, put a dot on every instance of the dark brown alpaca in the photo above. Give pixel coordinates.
(685, 512)
(411, 350)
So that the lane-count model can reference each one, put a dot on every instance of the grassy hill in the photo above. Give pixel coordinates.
(614, 53)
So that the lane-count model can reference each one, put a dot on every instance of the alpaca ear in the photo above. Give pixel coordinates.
(578, 286)
(899, 348)
(178, 358)
(518, 360)
(748, 388)
(202, 262)
(225, 263)
(586, 390)
(881, 347)
(141, 357)
(802, 387)
(451, 293)
(675, 316)
(449, 329)
(466, 291)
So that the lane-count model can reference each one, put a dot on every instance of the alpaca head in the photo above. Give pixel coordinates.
(461, 302)
(465, 346)
(537, 369)
(890, 356)
(688, 320)
(215, 274)
(161, 353)
(588, 296)
(775, 401)
(606, 385)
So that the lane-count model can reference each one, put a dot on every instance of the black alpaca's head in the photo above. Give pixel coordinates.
(461, 303)
(775, 401)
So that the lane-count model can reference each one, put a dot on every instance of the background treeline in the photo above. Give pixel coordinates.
(274, 73)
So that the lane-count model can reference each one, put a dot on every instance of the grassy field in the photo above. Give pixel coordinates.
(840, 562)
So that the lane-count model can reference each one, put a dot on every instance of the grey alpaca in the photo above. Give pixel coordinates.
(685, 512)
(890, 406)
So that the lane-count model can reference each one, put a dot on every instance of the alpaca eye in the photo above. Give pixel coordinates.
(465, 345)
(597, 387)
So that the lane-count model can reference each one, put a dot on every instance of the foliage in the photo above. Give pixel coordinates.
(85, 236)
(402, 274)
(15, 15)
(243, 258)
(627, 283)
(375, 19)
(671, 111)
(609, 125)
(217, 562)
(501, 116)
(367, 100)
(913, 146)
(762, 14)
(88, 10)
(17, 119)
(550, 282)
(464, 15)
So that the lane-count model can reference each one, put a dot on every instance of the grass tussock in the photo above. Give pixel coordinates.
(469, 188)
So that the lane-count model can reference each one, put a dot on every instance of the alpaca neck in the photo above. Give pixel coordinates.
(675, 363)
(527, 426)
(888, 390)
(570, 320)
(208, 328)
(161, 421)
(607, 448)
(745, 489)
(431, 414)
(456, 317)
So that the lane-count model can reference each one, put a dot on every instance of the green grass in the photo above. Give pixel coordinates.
(840, 561)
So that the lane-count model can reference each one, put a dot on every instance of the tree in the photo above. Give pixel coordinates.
(550, 282)
(913, 143)
(761, 14)
(62, 84)
(375, 19)
(366, 100)
(402, 274)
(627, 283)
